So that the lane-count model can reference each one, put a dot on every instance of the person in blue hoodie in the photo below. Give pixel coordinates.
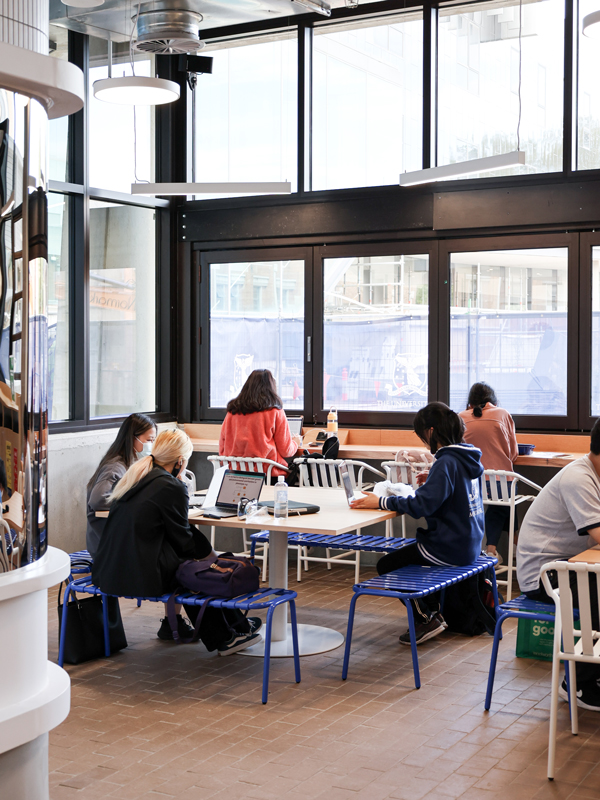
(450, 500)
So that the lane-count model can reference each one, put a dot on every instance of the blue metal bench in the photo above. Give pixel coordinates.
(521, 607)
(412, 583)
(255, 601)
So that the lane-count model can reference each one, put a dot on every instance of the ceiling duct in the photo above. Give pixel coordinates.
(168, 31)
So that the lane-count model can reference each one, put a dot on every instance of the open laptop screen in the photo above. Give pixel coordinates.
(237, 484)
(295, 424)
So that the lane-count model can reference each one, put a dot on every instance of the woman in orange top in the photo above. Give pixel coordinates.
(256, 426)
(492, 430)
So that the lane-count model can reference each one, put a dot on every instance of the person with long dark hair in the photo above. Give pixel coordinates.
(134, 439)
(255, 425)
(449, 499)
(492, 430)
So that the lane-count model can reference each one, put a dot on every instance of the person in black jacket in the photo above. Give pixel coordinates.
(451, 502)
(147, 536)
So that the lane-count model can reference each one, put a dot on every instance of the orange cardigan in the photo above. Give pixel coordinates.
(263, 434)
(494, 434)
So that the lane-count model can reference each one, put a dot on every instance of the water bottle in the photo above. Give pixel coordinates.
(280, 510)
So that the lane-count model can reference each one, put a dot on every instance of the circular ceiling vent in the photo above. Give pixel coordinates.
(168, 32)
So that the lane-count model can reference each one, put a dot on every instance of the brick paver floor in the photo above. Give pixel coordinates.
(166, 722)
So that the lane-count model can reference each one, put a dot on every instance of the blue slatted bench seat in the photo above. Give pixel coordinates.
(255, 601)
(412, 583)
(344, 541)
(521, 607)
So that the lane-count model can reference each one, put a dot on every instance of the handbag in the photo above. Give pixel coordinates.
(84, 637)
(223, 576)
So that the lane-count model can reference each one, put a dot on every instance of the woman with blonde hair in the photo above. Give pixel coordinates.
(147, 536)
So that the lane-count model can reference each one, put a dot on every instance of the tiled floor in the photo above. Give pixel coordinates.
(164, 721)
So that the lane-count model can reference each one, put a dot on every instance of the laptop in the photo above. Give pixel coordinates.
(295, 424)
(235, 485)
(351, 495)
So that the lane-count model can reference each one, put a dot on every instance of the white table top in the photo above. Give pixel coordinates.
(335, 516)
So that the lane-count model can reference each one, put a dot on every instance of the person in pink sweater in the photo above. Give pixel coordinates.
(492, 430)
(255, 425)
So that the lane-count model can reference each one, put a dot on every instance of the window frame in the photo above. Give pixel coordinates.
(517, 242)
(203, 410)
(412, 247)
(587, 242)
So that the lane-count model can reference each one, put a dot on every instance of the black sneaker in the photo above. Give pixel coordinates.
(238, 641)
(184, 629)
(255, 623)
(588, 695)
(426, 630)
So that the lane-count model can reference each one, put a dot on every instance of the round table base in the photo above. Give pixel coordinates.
(312, 639)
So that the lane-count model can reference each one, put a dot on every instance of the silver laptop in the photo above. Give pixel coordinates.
(235, 485)
(351, 495)
(295, 424)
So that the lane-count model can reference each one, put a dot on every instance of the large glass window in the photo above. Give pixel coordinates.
(257, 322)
(58, 306)
(367, 102)
(122, 309)
(121, 137)
(246, 113)
(588, 106)
(478, 94)
(59, 128)
(509, 328)
(595, 361)
(375, 332)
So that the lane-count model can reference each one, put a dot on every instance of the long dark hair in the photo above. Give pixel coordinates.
(122, 448)
(445, 425)
(259, 393)
(480, 395)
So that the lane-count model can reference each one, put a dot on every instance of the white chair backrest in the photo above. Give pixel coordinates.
(587, 644)
(265, 465)
(191, 480)
(404, 472)
(324, 472)
(500, 486)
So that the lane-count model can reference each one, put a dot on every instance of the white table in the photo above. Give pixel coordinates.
(334, 518)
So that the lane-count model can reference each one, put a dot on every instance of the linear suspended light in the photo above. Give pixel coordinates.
(514, 159)
(260, 187)
(83, 3)
(136, 90)
(591, 26)
(313, 5)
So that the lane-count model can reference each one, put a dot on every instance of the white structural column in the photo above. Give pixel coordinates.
(24, 23)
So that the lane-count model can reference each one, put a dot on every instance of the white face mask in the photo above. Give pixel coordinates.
(146, 448)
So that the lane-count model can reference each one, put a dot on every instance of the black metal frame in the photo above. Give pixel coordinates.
(587, 242)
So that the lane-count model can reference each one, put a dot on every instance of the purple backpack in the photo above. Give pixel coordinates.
(223, 576)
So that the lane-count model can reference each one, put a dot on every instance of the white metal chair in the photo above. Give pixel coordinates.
(403, 472)
(570, 645)
(500, 489)
(191, 480)
(264, 465)
(323, 472)
(5, 559)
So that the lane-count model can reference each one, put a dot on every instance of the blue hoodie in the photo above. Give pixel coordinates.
(450, 500)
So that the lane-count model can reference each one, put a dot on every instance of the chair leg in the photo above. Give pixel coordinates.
(357, 568)
(299, 565)
(267, 655)
(349, 635)
(139, 602)
(403, 526)
(510, 554)
(553, 716)
(413, 644)
(572, 681)
(63, 627)
(265, 562)
(328, 554)
(294, 626)
(305, 551)
(105, 625)
(493, 661)
(212, 536)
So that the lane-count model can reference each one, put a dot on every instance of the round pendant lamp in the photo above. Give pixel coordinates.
(83, 3)
(591, 25)
(136, 90)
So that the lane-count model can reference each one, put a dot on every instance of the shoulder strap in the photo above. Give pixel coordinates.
(172, 617)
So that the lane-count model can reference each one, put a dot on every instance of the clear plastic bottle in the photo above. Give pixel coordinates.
(280, 510)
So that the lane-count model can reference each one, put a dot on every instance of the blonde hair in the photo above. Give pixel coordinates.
(169, 446)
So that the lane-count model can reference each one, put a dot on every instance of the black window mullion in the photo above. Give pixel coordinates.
(430, 50)
(570, 96)
(305, 88)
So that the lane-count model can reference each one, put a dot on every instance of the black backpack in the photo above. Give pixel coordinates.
(331, 448)
(469, 606)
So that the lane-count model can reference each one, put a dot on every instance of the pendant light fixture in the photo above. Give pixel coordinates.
(591, 25)
(316, 6)
(134, 90)
(475, 165)
(83, 3)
